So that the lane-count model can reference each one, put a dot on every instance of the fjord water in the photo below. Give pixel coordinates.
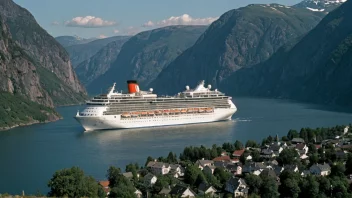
(30, 155)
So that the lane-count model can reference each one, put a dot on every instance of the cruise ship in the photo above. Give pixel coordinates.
(137, 108)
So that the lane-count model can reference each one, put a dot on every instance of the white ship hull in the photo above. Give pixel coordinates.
(91, 123)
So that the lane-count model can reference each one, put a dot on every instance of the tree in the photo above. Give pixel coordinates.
(161, 182)
(191, 174)
(289, 188)
(149, 159)
(285, 138)
(313, 159)
(222, 175)
(238, 145)
(254, 182)
(288, 156)
(338, 170)
(292, 134)
(309, 187)
(252, 143)
(171, 158)
(119, 184)
(73, 183)
(255, 156)
(133, 168)
(269, 188)
(349, 164)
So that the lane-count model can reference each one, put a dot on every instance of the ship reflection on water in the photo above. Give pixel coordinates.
(193, 134)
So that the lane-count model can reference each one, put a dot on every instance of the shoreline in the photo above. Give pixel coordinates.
(33, 122)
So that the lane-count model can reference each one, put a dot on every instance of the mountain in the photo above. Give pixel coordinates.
(23, 100)
(98, 64)
(51, 60)
(146, 54)
(66, 41)
(316, 68)
(81, 52)
(239, 38)
(320, 5)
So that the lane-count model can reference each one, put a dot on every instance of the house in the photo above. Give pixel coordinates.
(149, 179)
(237, 187)
(276, 148)
(178, 169)
(255, 167)
(207, 189)
(138, 193)
(320, 169)
(236, 169)
(128, 175)
(238, 153)
(209, 169)
(202, 163)
(105, 185)
(302, 148)
(269, 173)
(297, 140)
(224, 159)
(345, 130)
(305, 173)
(292, 168)
(182, 191)
(159, 168)
(267, 153)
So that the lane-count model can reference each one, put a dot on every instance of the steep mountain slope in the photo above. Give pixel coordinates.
(98, 64)
(46, 52)
(66, 41)
(320, 5)
(317, 68)
(81, 52)
(145, 55)
(239, 38)
(20, 86)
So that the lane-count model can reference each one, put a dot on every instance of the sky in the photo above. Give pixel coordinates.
(106, 18)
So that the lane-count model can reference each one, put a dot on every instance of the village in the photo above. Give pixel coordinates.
(277, 167)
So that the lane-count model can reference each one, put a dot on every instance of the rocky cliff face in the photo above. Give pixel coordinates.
(23, 100)
(44, 51)
(315, 68)
(239, 38)
(98, 64)
(145, 55)
(81, 52)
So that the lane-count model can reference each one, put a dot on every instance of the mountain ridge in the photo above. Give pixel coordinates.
(241, 37)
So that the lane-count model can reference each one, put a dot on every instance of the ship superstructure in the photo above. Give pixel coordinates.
(138, 108)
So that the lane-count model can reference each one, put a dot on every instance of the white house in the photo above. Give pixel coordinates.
(182, 191)
(345, 130)
(202, 163)
(237, 187)
(138, 193)
(206, 189)
(149, 179)
(320, 169)
(159, 168)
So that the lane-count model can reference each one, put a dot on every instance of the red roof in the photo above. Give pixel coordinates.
(317, 146)
(238, 152)
(222, 158)
(105, 185)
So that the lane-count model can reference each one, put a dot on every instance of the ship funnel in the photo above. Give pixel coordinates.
(132, 86)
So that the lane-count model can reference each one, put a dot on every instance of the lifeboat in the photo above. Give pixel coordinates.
(172, 111)
(201, 110)
(144, 113)
(125, 115)
(184, 111)
(177, 111)
(209, 110)
(150, 113)
(135, 114)
(190, 110)
(158, 112)
(166, 111)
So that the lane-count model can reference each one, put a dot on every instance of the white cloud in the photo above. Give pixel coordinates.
(184, 19)
(116, 31)
(89, 22)
(55, 23)
(102, 36)
(148, 24)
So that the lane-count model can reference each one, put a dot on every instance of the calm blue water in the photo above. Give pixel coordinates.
(30, 155)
